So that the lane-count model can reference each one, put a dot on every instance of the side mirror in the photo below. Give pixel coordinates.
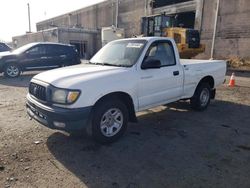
(151, 64)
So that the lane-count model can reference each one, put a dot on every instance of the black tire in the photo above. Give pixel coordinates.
(202, 97)
(99, 115)
(16, 71)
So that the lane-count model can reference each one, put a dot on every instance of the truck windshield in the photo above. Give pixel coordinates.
(122, 53)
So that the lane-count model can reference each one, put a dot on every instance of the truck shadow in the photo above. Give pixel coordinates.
(171, 146)
(21, 81)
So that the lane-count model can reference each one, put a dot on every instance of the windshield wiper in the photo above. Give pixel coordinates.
(95, 63)
(108, 64)
(115, 65)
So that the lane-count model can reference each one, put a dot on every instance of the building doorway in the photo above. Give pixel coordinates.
(81, 47)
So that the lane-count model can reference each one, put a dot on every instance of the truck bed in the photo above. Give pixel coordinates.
(197, 61)
(195, 70)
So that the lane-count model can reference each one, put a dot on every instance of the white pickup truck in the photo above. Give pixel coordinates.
(124, 77)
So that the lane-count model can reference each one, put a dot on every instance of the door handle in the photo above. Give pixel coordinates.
(176, 73)
(44, 58)
(63, 56)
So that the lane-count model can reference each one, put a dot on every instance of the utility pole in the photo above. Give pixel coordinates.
(29, 17)
(117, 13)
(215, 28)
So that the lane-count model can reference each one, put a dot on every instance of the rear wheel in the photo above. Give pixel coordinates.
(109, 121)
(12, 71)
(201, 98)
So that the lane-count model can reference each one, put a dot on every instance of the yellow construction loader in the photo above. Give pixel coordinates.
(187, 40)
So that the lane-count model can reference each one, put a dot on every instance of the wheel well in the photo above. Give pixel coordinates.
(209, 80)
(11, 63)
(126, 99)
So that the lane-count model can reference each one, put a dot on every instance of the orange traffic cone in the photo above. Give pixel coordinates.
(232, 81)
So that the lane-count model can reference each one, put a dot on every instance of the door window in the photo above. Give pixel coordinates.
(61, 50)
(56, 50)
(162, 51)
(37, 50)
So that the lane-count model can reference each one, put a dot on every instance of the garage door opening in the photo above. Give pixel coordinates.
(161, 3)
(185, 20)
(154, 25)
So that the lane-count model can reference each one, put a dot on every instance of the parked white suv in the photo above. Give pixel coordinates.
(124, 77)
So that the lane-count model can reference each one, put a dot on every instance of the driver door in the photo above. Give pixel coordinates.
(35, 58)
(164, 84)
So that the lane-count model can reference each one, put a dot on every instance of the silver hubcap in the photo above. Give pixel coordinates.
(204, 97)
(111, 122)
(12, 71)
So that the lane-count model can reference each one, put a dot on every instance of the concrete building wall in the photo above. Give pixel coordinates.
(96, 17)
(102, 15)
(93, 17)
(68, 36)
(130, 13)
(42, 36)
(233, 31)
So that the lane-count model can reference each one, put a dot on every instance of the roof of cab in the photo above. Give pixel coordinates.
(147, 38)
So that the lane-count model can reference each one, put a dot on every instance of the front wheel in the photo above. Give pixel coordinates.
(109, 121)
(12, 71)
(201, 98)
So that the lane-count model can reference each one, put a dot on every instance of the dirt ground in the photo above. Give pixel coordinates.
(171, 146)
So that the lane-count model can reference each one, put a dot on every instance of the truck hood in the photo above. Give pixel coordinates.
(69, 76)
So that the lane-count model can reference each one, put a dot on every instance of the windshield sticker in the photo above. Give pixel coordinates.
(134, 45)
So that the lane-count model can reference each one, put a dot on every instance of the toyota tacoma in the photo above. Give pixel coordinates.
(126, 76)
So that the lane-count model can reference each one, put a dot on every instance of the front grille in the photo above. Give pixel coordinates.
(38, 91)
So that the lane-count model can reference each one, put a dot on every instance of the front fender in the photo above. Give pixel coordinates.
(130, 94)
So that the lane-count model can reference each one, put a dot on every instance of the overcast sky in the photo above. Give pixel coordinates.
(14, 13)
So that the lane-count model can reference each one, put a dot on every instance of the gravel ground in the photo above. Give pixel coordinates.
(171, 146)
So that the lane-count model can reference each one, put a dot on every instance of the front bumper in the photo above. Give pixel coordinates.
(68, 120)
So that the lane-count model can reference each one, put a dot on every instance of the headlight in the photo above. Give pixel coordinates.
(62, 96)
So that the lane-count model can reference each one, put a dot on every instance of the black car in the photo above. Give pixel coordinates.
(4, 47)
(37, 56)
